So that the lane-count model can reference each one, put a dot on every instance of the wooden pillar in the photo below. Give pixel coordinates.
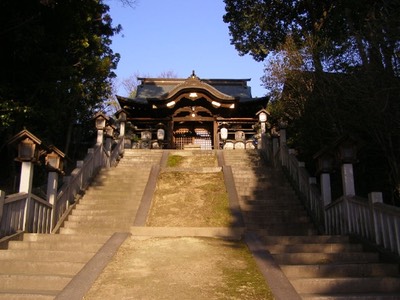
(215, 136)
(170, 134)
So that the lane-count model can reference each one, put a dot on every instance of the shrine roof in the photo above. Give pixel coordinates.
(163, 88)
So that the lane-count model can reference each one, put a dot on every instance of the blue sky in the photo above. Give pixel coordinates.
(179, 36)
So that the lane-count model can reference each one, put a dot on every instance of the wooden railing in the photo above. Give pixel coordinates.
(369, 219)
(29, 213)
(304, 184)
(24, 212)
(117, 152)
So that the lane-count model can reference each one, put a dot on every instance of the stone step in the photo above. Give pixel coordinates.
(287, 240)
(283, 229)
(101, 218)
(340, 270)
(272, 207)
(315, 248)
(95, 230)
(36, 282)
(346, 285)
(271, 219)
(28, 294)
(40, 267)
(102, 212)
(112, 199)
(114, 223)
(357, 296)
(325, 258)
(286, 215)
(114, 206)
(128, 184)
(55, 245)
(99, 239)
(46, 255)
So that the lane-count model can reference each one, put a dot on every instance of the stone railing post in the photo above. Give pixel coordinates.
(25, 184)
(107, 149)
(326, 193)
(100, 137)
(311, 181)
(122, 129)
(52, 185)
(2, 199)
(374, 197)
(348, 179)
(282, 136)
(301, 166)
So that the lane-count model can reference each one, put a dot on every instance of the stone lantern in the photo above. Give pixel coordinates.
(54, 160)
(54, 164)
(100, 122)
(121, 116)
(263, 117)
(29, 152)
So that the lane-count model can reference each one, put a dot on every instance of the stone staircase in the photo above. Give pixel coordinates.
(318, 266)
(40, 266)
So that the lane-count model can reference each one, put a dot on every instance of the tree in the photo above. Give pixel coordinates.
(362, 33)
(58, 64)
(358, 41)
(57, 69)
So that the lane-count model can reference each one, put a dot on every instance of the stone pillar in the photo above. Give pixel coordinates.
(275, 146)
(100, 136)
(52, 184)
(282, 136)
(2, 199)
(375, 197)
(107, 149)
(122, 129)
(25, 184)
(326, 193)
(263, 142)
(348, 179)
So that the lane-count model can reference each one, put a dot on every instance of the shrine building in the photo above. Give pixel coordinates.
(194, 113)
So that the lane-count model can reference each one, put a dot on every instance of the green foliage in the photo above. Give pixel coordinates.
(358, 42)
(174, 160)
(57, 67)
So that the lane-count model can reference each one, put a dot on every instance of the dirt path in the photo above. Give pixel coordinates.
(180, 268)
(183, 267)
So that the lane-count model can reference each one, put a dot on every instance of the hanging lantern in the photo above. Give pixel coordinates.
(160, 134)
(224, 133)
(27, 150)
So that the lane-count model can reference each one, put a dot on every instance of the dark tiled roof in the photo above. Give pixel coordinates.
(157, 87)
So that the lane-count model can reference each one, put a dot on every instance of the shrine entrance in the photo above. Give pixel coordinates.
(193, 133)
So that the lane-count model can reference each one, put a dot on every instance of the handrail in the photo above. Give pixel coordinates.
(117, 152)
(303, 183)
(365, 218)
(79, 180)
(13, 214)
(30, 213)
